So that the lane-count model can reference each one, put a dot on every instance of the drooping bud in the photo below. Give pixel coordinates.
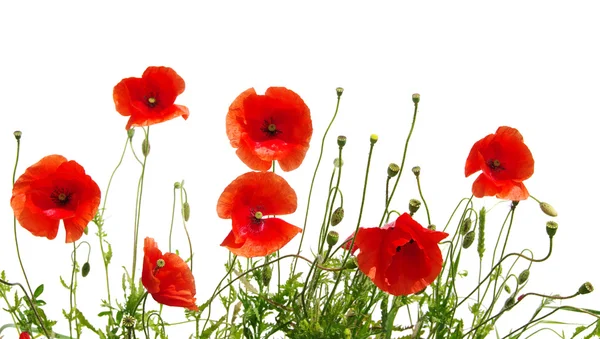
(177, 185)
(332, 238)
(416, 171)
(85, 269)
(339, 91)
(338, 163)
(130, 133)
(341, 140)
(413, 206)
(523, 277)
(186, 211)
(393, 170)
(466, 226)
(548, 209)
(145, 147)
(86, 230)
(586, 288)
(507, 288)
(416, 98)
(373, 138)
(432, 227)
(551, 228)
(18, 134)
(351, 263)
(468, 239)
(510, 302)
(337, 216)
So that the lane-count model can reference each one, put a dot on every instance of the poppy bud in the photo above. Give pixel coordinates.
(17, 134)
(341, 141)
(466, 226)
(337, 216)
(416, 98)
(510, 302)
(468, 239)
(130, 133)
(507, 288)
(393, 170)
(86, 230)
(186, 211)
(347, 333)
(586, 288)
(266, 276)
(374, 138)
(128, 321)
(521, 297)
(551, 228)
(145, 147)
(432, 227)
(332, 238)
(351, 263)
(548, 209)
(338, 163)
(416, 171)
(523, 277)
(85, 269)
(24, 335)
(339, 91)
(177, 185)
(413, 206)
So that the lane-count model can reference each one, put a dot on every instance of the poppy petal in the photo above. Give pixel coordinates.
(274, 234)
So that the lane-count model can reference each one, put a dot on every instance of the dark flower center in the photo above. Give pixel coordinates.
(256, 221)
(495, 165)
(151, 100)
(400, 247)
(60, 196)
(269, 128)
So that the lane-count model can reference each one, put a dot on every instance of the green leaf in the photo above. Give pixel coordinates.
(83, 321)
(38, 291)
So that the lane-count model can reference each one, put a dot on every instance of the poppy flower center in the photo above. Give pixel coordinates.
(258, 215)
(60, 196)
(151, 100)
(269, 128)
(400, 247)
(160, 263)
(495, 165)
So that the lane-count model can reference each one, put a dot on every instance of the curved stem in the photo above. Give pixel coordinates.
(424, 201)
(138, 208)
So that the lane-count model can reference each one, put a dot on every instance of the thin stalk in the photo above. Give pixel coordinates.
(138, 208)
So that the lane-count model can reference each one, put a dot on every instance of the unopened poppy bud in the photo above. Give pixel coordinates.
(416, 171)
(85, 269)
(466, 226)
(130, 133)
(468, 239)
(351, 263)
(338, 163)
(160, 263)
(432, 227)
(266, 276)
(393, 170)
(332, 238)
(347, 333)
(177, 185)
(145, 147)
(337, 216)
(416, 98)
(186, 211)
(341, 141)
(586, 288)
(128, 321)
(86, 230)
(373, 138)
(339, 91)
(523, 277)
(510, 302)
(551, 228)
(18, 134)
(521, 297)
(24, 335)
(413, 206)
(548, 209)
(507, 288)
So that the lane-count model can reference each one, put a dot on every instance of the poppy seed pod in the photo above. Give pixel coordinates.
(332, 238)
(523, 277)
(551, 228)
(339, 91)
(341, 141)
(85, 269)
(145, 147)
(468, 239)
(186, 211)
(17, 134)
(128, 321)
(586, 288)
(548, 209)
(432, 227)
(337, 216)
(413, 206)
(373, 138)
(416, 98)
(393, 170)
(416, 171)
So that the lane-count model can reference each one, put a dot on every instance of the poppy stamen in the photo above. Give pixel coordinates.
(495, 165)
(151, 100)
(60, 196)
(269, 128)
(160, 263)
(400, 247)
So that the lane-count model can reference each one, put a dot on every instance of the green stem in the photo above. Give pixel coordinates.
(172, 217)
(138, 208)
(183, 192)
(423, 198)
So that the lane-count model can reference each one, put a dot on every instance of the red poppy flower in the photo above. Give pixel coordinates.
(402, 257)
(150, 99)
(167, 277)
(274, 126)
(51, 190)
(505, 161)
(247, 201)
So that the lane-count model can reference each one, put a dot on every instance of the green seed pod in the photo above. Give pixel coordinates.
(337, 216)
(432, 227)
(413, 206)
(85, 269)
(510, 302)
(416, 98)
(18, 134)
(416, 171)
(393, 170)
(339, 91)
(466, 226)
(332, 238)
(341, 141)
(351, 263)
(177, 185)
(373, 138)
(586, 288)
(468, 239)
(186, 211)
(551, 228)
(523, 277)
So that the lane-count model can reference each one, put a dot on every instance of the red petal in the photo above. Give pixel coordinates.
(274, 234)
(151, 256)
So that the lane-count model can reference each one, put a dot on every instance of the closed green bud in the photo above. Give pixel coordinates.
(18, 134)
(86, 230)
(373, 138)
(177, 185)
(130, 133)
(351, 263)
(551, 228)
(347, 333)
(186, 211)
(337, 216)
(393, 170)
(85, 269)
(341, 140)
(413, 206)
(339, 91)
(267, 274)
(586, 288)
(145, 147)
(466, 226)
(523, 277)
(507, 288)
(332, 238)
(468, 239)
(416, 98)
(338, 163)
(510, 302)
(416, 171)
(548, 209)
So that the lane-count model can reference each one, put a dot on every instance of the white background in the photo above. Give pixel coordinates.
(530, 65)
